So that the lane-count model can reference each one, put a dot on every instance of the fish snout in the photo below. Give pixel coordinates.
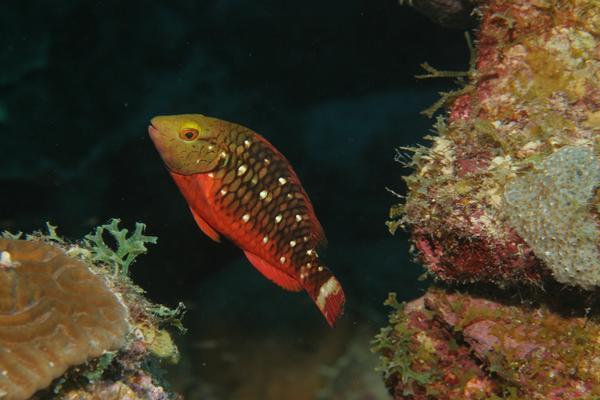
(157, 133)
(153, 131)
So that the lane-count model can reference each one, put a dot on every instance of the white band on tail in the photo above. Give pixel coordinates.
(331, 287)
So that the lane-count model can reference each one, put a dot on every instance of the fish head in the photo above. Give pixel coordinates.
(187, 143)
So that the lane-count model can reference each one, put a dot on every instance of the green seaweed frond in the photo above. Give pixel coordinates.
(436, 73)
(10, 235)
(170, 316)
(126, 250)
(95, 374)
(447, 97)
(51, 236)
(393, 344)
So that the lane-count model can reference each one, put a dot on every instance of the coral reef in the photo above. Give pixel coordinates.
(503, 212)
(74, 326)
(483, 202)
(453, 345)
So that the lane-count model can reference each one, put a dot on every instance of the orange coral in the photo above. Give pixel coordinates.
(54, 313)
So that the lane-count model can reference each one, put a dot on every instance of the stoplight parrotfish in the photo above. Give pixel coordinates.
(239, 186)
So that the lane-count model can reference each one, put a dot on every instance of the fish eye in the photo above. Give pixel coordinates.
(188, 134)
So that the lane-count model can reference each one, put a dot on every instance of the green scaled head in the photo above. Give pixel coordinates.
(188, 143)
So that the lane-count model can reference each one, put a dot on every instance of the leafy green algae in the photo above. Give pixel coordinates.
(394, 347)
(126, 249)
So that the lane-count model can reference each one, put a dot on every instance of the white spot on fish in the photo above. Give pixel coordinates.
(305, 238)
(320, 269)
(310, 252)
(267, 161)
(263, 194)
(282, 181)
(308, 265)
(298, 217)
(247, 143)
(242, 170)
(290, 196)
(254, 180)
(211, 147)
(282, 260)
(293, 243)
(278, 218)
(266, 239)
(223, 155)
(223, 192)
(210, 174)
(246, 217)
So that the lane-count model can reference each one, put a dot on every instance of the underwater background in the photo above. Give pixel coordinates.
(330, 84)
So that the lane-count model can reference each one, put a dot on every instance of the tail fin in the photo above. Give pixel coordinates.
(327, 293)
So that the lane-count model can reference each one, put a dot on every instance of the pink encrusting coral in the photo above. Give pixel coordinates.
(484, 202)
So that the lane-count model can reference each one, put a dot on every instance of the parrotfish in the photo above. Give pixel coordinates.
(239, 186)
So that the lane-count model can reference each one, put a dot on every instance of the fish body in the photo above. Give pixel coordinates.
(239, 186)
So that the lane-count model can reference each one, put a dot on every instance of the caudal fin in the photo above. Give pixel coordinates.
(327, 293)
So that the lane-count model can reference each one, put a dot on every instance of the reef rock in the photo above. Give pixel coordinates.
(448, 345)
(508, 192)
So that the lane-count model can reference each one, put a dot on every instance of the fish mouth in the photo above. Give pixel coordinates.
(158, 138)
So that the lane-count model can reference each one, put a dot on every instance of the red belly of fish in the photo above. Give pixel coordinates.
(203, 189)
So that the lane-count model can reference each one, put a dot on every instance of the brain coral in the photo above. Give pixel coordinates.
(550, 207)
(54, 313)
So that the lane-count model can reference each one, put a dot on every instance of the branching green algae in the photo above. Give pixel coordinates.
(126, 250)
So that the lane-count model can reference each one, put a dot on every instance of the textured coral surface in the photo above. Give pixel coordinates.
(54, 313)
(451, 345)
(533, 91)
(548, 202)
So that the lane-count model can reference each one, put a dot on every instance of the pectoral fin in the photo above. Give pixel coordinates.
(205, 227)
(282, 279)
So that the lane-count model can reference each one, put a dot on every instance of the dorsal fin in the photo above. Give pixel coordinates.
(282, 279)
